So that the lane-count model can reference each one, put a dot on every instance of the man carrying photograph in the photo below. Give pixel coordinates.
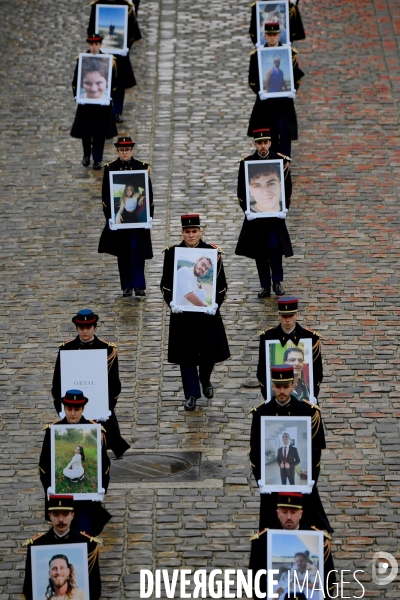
(61, 514)
(85, 322)
(197, 340)
(90, 516)
(288, 514)
(287, 459)
(277, 113)
(188, 293)
(290, 330)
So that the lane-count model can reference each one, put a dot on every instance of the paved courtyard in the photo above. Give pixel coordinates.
(189, 116)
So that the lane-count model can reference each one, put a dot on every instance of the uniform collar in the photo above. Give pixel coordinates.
(284, 337)
(87, 344)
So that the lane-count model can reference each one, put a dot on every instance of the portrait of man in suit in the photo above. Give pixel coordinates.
(287, 459)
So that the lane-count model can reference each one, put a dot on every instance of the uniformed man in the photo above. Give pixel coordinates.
(295, 23)
(90, 516)
(197, 340)
(265, 239)
(288, 515)
(85, 322)
(289, 329)
(61, 514)
(131, 246)
(125, 75)
(276, 113)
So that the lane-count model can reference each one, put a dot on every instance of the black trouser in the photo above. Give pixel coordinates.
(94, 145)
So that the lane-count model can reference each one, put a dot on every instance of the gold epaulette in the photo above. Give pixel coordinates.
(113, 344)
(217, 248)
(92, 539)
(96, 423)
(253, 52)
(285, 157)
(67, 342)
(243, 158)
(257, 535)
(168, 247)
(253, 4)
(294, 51)
(49, 425)
(265, 331)
(255, 408)
(30, 541)
(311, 404)
(313, 331)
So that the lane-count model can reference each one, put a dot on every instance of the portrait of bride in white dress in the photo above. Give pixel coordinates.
(74, 469)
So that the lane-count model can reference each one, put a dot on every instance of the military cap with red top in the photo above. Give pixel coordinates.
(123, 142)
(272, 27)
(290, 499)
(282, 373)
(74, 398)
(94, 37)
(287, 306)
(190, 220)
(261, 134)
(85, 317)
(61, 502)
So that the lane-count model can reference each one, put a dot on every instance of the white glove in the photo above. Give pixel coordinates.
(175, 309)
(249, 215)
(102, 419)
(264, 96)
(211, 310)
(313, 400)
(61, 415)
(292, 94)
(112, 225)
(282, 214)
(102, 491)
(259, 483)
(50, 491)
(149, 224)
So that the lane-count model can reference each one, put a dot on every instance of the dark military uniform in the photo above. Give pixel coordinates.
(295, 23)
(114, 440)
(90, 516)
(72, 537)
(299, 332)
(93, 123)
(125, 75)
(131, 246)
(195, 338)
(276, 113)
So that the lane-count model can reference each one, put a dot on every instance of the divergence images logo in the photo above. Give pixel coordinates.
(384, 568)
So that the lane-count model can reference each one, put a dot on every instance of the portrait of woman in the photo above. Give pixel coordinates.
(74, 469)
(132, 206)
(94, 78)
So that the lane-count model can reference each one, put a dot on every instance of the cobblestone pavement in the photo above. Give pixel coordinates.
(189, 116)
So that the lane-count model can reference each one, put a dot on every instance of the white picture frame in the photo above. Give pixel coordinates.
(111, 22)
(265, 187)
(282, 546)
(86, 371)
(283, 85)
(187, 261)
(94, 79)
(72, 472)
(298, 476)
(138, 211)
(267, 12)
(290, 354)
(76, 555)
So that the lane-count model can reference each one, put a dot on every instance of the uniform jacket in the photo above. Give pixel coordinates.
(295, 23)
(195, 337)
(94, 119)
(266, 113)
(299, 332)
(100, 515)
(72, 537)
(294, 408)
(117, 242)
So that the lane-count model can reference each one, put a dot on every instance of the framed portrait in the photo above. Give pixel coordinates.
(300, 357)
(273, 12)
(54, 564)
(87, 371)
(286, 454)
(276, 71)
(130, 202)
(94, 79)
(265, 187)
(195, 278)
(76, 460)
(112, 24)
(299, 558)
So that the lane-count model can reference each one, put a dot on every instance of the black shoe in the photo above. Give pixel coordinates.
(139, 292)
(264, 293)
(97, 165)
(208, 390)
(118, 118)
(190, 403)
(86, 161)
(127, 292)
(278, 289)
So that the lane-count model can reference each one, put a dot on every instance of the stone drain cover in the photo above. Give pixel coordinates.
(184, 466)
